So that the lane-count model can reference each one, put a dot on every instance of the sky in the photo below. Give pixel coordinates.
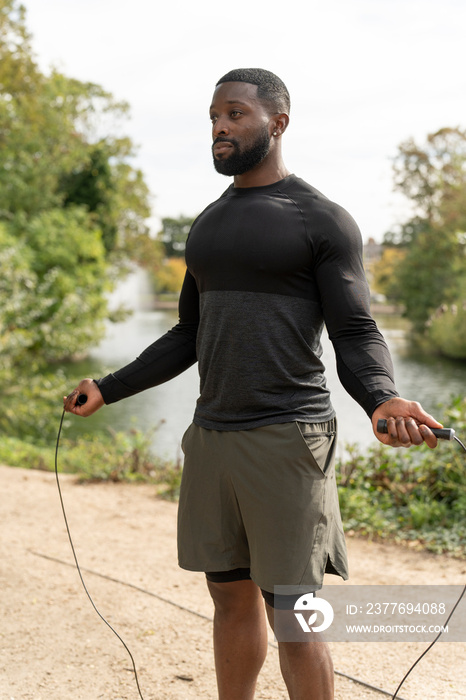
(364, 75)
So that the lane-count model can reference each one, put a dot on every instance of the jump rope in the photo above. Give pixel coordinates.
(440, 433)
(81, 400)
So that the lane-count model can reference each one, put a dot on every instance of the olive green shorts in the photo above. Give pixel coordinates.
(264, 499)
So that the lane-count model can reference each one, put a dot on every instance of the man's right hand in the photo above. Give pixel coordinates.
(93, 403)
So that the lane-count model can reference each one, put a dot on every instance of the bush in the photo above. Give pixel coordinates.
(447, 330)
(105, 456)
(417, 494)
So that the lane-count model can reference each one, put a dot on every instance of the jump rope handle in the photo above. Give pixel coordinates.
(440, 433)
(81, 400)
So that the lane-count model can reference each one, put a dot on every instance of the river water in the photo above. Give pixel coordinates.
(429, 380)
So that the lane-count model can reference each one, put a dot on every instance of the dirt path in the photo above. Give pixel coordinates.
(54, 647)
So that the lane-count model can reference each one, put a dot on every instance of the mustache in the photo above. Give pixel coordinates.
(224, 139)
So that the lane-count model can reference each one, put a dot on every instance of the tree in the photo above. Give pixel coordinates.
(73, 212)
(433, 269)
(52, 152)
(430, 274)
(447, 329)
(52, 306)
(433, 177)
(170, 275)
(56, 167)
(384, 271)
(174, 234)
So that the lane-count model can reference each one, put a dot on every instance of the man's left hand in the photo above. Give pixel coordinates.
(408, 424)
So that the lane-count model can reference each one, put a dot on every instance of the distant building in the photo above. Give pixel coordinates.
(372, 252)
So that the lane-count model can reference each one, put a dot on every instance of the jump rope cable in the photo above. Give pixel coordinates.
(432, 643)
(394, 696)
(77, 563)
(449, 616)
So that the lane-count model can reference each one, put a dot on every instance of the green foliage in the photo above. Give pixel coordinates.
(433, 269)
(91, 187)
(52, 150)
(46, 125)
(72, 212)
(169, 273)
(433, 177)
(174, 234)
(447, 330)
(104, 456)
(383, 271)
(430, 274)
(169, 277)
(28, 402)
(52, 289)
(122, 456)
(417, 494)
(18, 453)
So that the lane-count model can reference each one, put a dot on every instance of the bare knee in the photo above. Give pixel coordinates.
(235, 597)
(315, 649)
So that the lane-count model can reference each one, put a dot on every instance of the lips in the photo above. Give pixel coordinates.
(221, 147)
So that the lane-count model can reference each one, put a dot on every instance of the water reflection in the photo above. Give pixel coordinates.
(428, 380)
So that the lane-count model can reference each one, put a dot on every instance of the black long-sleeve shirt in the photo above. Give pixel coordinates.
(267, 267)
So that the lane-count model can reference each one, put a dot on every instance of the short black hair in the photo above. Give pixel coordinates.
(270, 88)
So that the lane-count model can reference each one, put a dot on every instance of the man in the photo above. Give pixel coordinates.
(268, 263)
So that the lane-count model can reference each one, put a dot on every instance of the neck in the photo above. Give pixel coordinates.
(263, 174)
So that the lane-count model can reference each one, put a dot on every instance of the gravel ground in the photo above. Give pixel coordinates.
(55, 647)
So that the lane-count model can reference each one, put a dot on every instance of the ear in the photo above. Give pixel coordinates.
(279, 122)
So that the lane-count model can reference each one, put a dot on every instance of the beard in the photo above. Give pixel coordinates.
(241, 161)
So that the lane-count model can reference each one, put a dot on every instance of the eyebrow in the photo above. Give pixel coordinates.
(233, 102)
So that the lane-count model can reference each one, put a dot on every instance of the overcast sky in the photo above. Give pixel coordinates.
(363, 75)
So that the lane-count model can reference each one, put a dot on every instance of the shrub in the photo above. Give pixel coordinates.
(417, 494)
(447, 330)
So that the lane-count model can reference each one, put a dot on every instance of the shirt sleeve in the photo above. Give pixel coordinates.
(364, 364)
(167, 357)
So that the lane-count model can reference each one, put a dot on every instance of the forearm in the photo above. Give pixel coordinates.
(170, 355)
(365, 367)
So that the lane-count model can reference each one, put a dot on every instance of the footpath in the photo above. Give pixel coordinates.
(55, 647)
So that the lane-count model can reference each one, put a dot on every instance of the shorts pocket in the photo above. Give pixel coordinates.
(320, 445)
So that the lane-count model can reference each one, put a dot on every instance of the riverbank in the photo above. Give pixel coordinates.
(55, 647)
(386, 310)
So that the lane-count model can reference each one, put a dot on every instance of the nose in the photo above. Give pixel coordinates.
(220, 127)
